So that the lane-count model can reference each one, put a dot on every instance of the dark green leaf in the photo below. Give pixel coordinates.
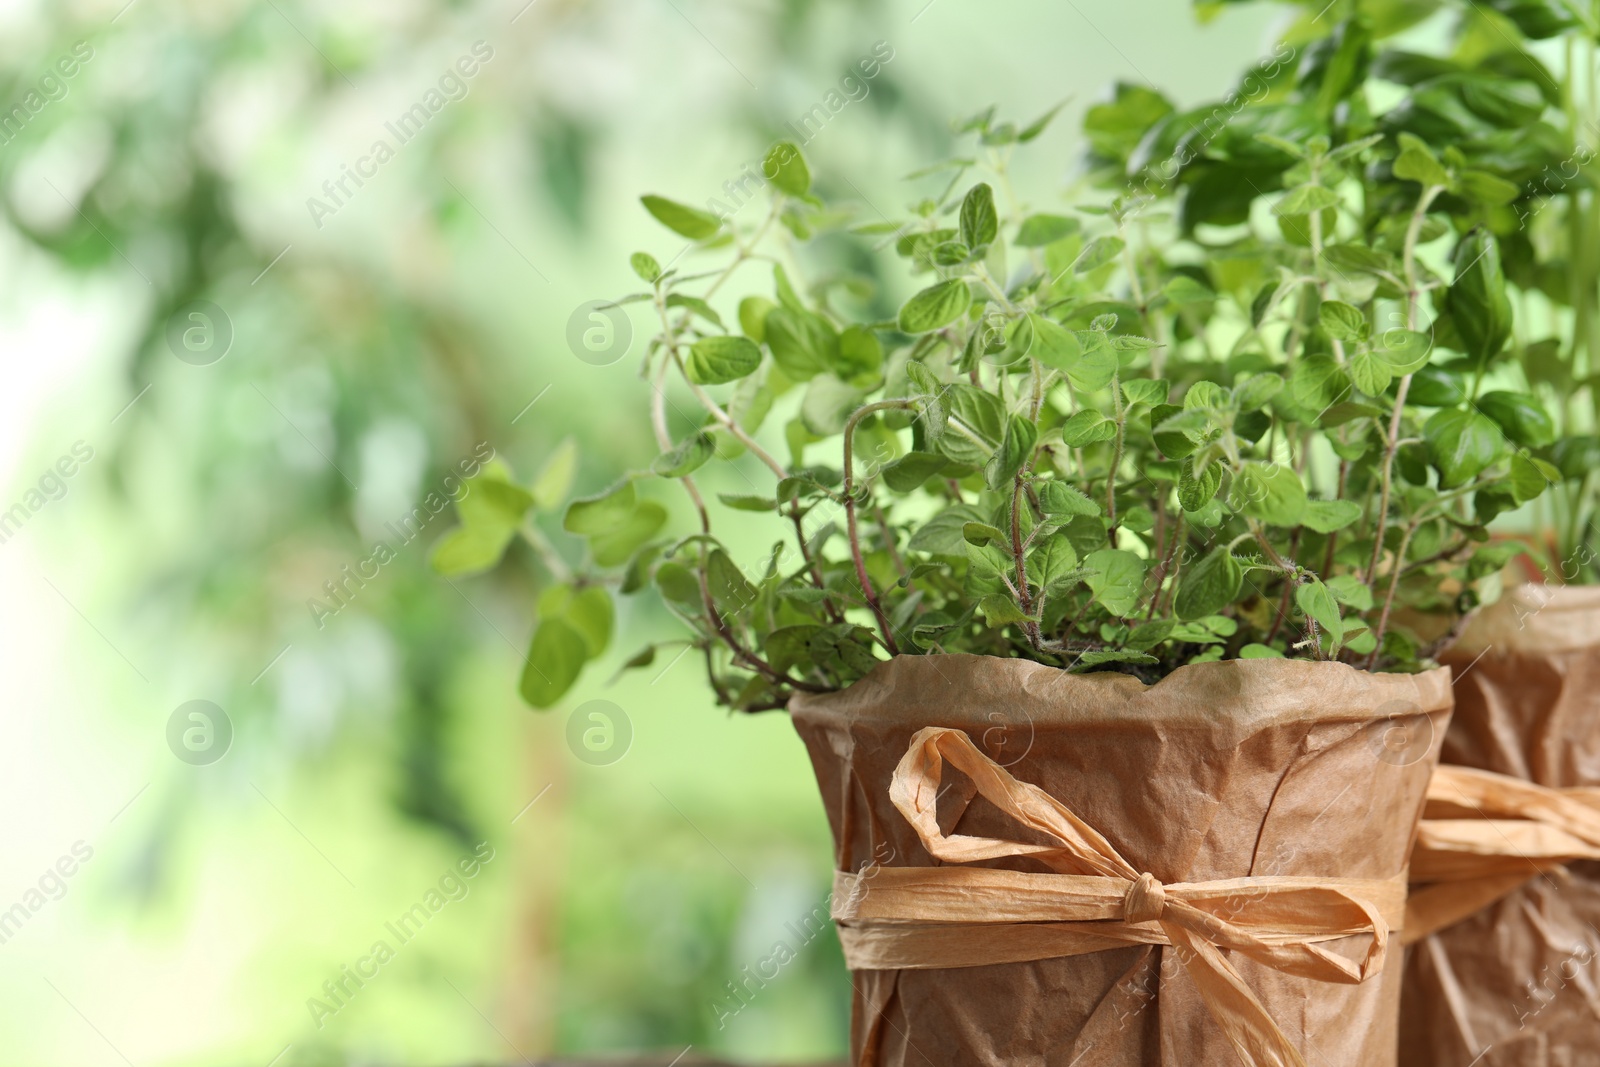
(1521, 416)
(1461, 444)
(979, 223)
(1209, 586)
(936, 306)
(911, 470)
(688, 456)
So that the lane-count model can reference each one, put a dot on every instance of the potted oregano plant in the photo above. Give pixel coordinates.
(1145, 514)
(1508, 918)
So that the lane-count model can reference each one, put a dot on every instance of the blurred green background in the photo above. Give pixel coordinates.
(367, 347)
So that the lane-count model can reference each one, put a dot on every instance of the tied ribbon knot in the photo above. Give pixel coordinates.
(1483, 835)
(1146, 899)
(900, 918)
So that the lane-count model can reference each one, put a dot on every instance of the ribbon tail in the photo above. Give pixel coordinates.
(1236, 1010)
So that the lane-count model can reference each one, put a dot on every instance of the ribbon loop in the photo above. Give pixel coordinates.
(896, 918)
(1484, 835)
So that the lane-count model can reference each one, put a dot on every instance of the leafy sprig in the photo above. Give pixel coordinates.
(1226, 414)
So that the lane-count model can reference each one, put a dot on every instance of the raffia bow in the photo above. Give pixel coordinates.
(896, 918)
(1484, 834)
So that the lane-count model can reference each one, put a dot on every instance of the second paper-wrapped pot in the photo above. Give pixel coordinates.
(1517, 983)
(1044, 868)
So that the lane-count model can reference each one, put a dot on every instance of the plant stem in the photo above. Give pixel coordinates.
(1116, 461)
(867, 591)
(658, 421)
(1409, 259)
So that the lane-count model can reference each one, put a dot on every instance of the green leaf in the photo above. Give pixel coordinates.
(747, 502)
(1100, 657)
(1087, 427)
(1052, 563)
(682, 219)
(1318, 603)
(1318, 382)
(1257, 391)
(943, 534)
(1100, 251)
(614, 545)
(753, 311)
(982, 533)
(1488, 188)
(1259, 651)
(1038, 125)
(470, 549)
(1417, 163)
(1037, 231)
(1461, 445)
(1184, 290)
(1014, 452)
(688, 456)
(983, 414)
(587, 610)
(979, 223)
(1342, 321)
(911, 470)
(555, 478)
(1521, 416)
(1371, 374)
(645, 266)
(988, 569)
(938, 305)
(715, 360)
(678, 583)
(1271, 492)
(1148, 635)
(860, 356)
(1053, 344)
(1304, 199)
(696, 305)
(1403, 351)
(828, 405)
(1116, 578)
(1095, 370)
(786, 168)
(1351, 592)
(555, 659)
(1209, 585)
(602, 512)
(1359, 259)
(1195, 491)
(1480, 310)
(1148, 391)
(803, 344)
(1530, 477)
(1061, 502)
(1326, 516)
(730, 589)
(1000, 610)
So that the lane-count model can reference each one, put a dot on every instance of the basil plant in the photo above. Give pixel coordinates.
(1217, 410)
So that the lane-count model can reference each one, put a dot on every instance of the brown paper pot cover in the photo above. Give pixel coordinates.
(1516, 984)
(1220, 770)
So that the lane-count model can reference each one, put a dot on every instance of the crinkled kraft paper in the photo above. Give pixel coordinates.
(1222, 770)
(1518, 983)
